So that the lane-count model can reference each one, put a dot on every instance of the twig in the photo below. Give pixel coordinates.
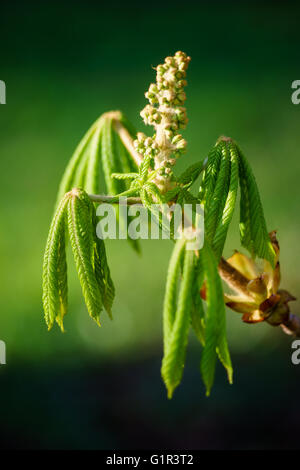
(112, 199)
(292, 325)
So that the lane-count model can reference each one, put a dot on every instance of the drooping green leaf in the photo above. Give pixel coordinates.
(171, 289)
(253, 229)
(175, 344)
(197, 311)
(71, 172)
(109, 157)
(102, 271)
(92, 181)
(81, 233)
(214, 204)
(114, 157)
(215, 322)
(79, 178)
(83, 169)
(224, 222)
(210, 174)
(125, 163)
(55, 289)
(62, 281)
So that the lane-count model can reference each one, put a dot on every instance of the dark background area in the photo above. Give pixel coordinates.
(64, 64)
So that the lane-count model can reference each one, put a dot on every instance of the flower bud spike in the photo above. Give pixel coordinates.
(167, 115)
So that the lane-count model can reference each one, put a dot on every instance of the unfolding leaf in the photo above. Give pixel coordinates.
(215, 324)
(175, 344)
(92, 180)
(55, 290)
(253, 230)
(76, 168)
(230, 152)
(102, 272)
(171, 289)
(81, 233)
(215, 202)
(210, 175)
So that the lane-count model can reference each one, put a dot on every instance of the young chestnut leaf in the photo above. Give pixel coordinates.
(81, 233)
(174, 269)
(218, 192)
(253, 229)
(114, 160)
(91, 184)
(76, 216)
(55, 289)
(210, 174)
(101, 144)
(215, 321)
(197, 311)
(224, 222)
(77, 166)
(215, 204)
(109, 157)
(102, 271)
(177, 330)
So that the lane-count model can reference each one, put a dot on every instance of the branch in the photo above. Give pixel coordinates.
(291, 326)
(114, 199)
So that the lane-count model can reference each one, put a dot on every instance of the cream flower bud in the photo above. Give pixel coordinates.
(141, 136)
(169, 60)
(181, 144)
(148, 142)
(176, 139)
(181, 96)
(160, 69)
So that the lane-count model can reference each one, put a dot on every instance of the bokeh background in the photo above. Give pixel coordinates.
(65, 63)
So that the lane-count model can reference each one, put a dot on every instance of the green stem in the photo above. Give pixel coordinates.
(99, 198)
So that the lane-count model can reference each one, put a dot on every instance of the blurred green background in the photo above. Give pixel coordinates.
(64, 64)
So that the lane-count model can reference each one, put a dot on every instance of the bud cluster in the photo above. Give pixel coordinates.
(146, 145)
(167, 114)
